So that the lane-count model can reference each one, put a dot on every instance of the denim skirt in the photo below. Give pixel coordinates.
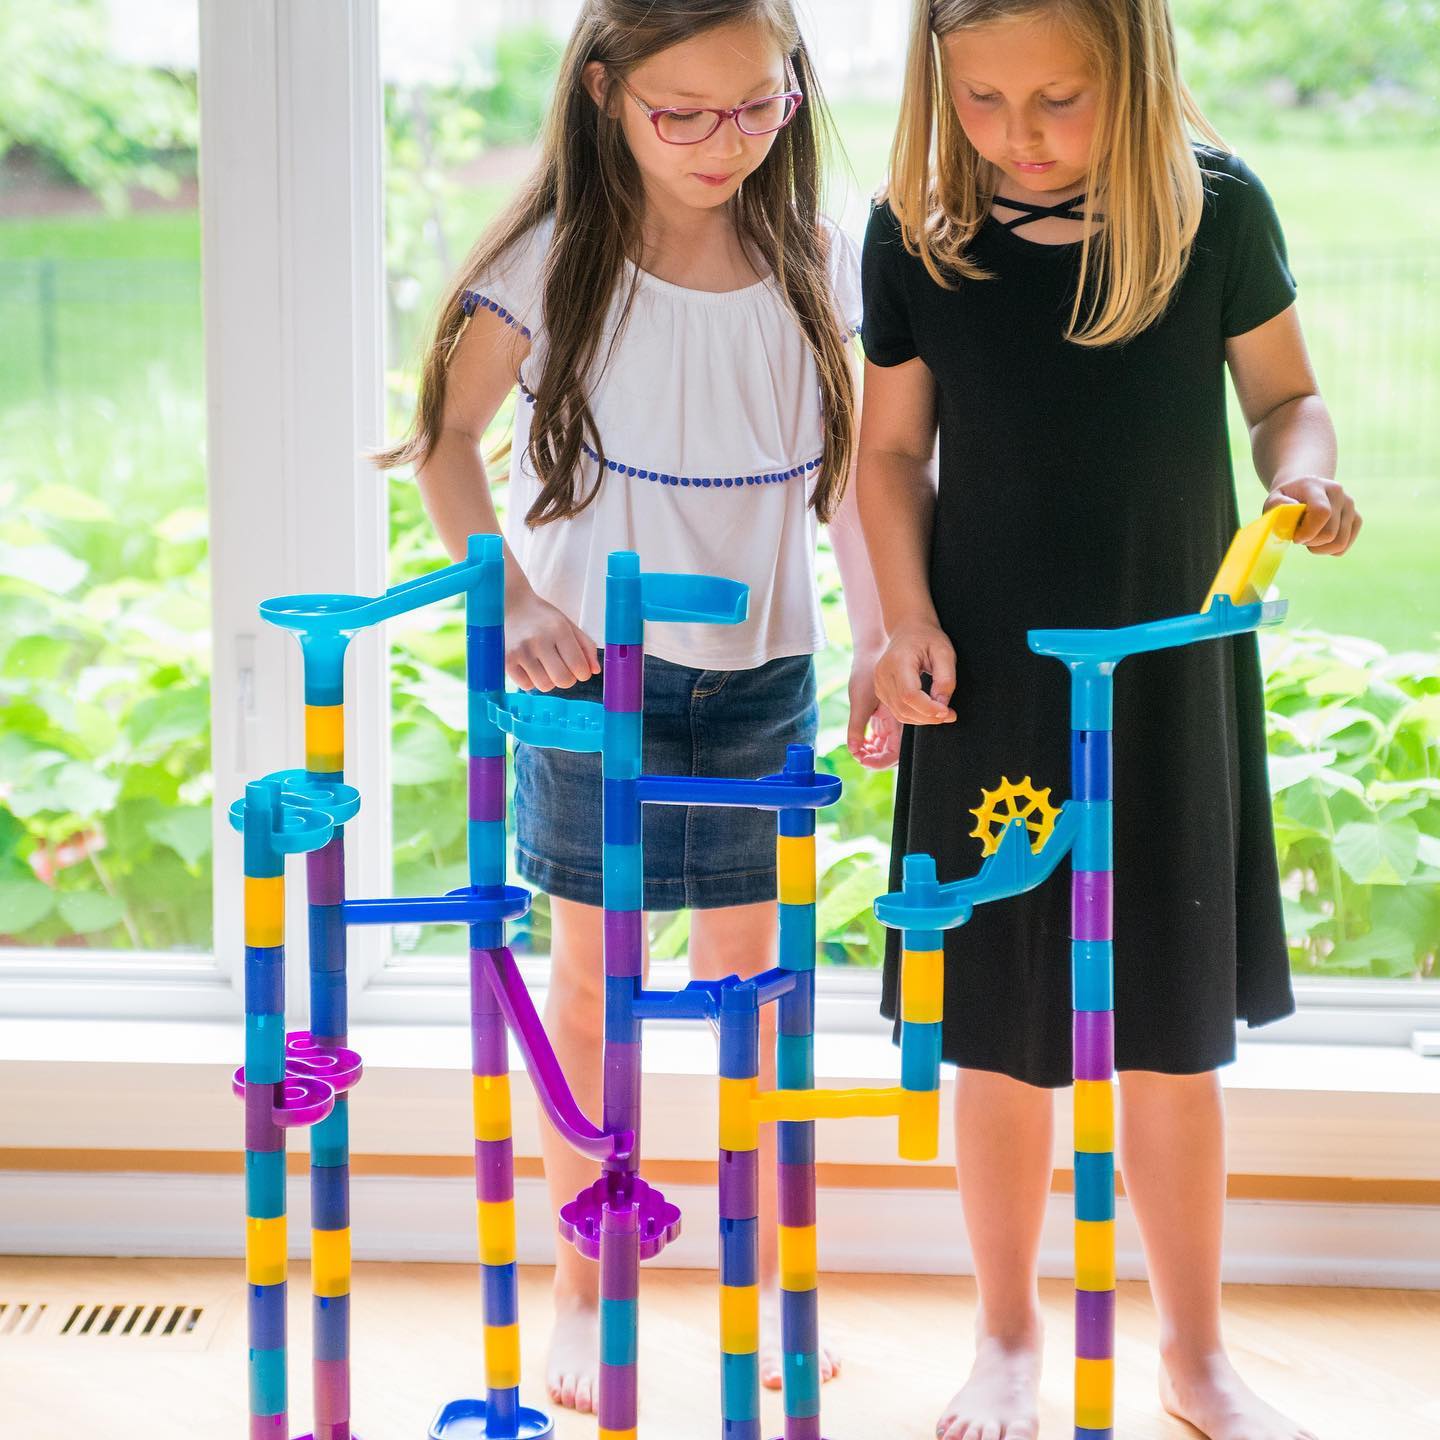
(730, 723)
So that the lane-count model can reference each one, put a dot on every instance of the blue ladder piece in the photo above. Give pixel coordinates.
(471, 905)
(1013, 869)
(550, 723)
(1223, 618)
(693, 599)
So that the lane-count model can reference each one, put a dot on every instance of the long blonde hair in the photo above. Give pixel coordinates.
(588, 180)
(1143, 192)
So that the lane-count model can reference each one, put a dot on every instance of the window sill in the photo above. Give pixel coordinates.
(1359, 1112)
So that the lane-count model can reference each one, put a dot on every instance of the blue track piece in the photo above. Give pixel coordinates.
(1014, 868)
(490, 904)
(772, 792)
(550, 722)
(1223, 618)
(693, 599)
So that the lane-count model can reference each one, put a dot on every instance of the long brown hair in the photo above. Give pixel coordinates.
(1143, 178)
(589, 182)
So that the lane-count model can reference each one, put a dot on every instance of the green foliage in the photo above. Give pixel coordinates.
(1368, 64)
(105, 124)
(104, 683)
(1355, 768)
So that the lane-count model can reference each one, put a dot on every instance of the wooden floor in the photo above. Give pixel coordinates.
(1351, 1364)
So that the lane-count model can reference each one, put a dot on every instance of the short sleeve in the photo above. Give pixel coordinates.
(1258, 282)
(843, 260)
(513, 288)
(887, 331)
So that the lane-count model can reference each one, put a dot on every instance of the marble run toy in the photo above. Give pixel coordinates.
(1033, 837)
(304, 1080)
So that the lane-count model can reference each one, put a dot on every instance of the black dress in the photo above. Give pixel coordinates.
(1093, 488)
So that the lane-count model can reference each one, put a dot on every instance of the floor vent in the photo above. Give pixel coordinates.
(176, 1324)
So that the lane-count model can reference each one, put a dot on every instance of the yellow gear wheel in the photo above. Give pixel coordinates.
(1000, 808)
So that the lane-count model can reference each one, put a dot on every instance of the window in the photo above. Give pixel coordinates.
(105, 784)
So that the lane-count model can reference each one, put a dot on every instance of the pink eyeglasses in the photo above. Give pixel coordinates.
(677, 125)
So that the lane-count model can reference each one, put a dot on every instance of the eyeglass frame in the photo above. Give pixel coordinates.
(654, 113)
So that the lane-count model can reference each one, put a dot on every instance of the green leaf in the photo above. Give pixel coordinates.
(86, 911)
(172, 715)
(186, 831)
(46, 566)
(1288, 770)
(421, 754)
(670, 943)
(855, 895)
(83, 790)
(1384, 952)
(65, 502)
(37, 657)
(23, 903)
(1378, 852)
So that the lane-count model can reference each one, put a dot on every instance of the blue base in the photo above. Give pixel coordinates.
(465, 1420)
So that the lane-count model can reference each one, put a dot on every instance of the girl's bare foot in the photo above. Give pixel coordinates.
(1208, 1393)
(770, 1345)
(1001, 1399)
(572, 1368)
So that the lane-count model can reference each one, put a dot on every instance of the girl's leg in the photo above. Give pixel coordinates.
(575, 1020)
(1173, 1160)
(1004, 1158)
(741, 940)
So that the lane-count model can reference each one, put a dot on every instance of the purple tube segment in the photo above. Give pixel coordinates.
(490, 1053)
(332, 1397)
(619, 1401)
(494, 1170)
(1094, 1324)
(1091, 905)
(619, 1254)
(624, 952)
(1094, 1035)
(624, 678)
(802, 1427)
(325, 873)
(270, 1427)
(796, 1194)
(622, 1099)
(739, 1185)
(261, 1131)
(487, 787)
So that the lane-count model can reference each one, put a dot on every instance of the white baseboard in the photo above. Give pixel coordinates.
(916, 1232)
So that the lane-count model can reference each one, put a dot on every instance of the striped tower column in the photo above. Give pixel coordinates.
(490, 1058)
(795, 1139)
(922, 1005)
(739, 1214)
(1094, 1046)
(329, 1024)
(623, 895)
(265, 1236)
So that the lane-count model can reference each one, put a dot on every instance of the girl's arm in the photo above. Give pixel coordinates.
(543, 649)
(873, 736)
(896, 494)
(1291, 438)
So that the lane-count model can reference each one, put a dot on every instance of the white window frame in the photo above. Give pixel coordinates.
(291, 144)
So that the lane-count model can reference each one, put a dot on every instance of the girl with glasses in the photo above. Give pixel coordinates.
(677, 317)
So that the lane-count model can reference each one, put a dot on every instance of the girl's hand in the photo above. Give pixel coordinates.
(1330, 522)
(543, 649)
(917, 648)
(874, 733)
